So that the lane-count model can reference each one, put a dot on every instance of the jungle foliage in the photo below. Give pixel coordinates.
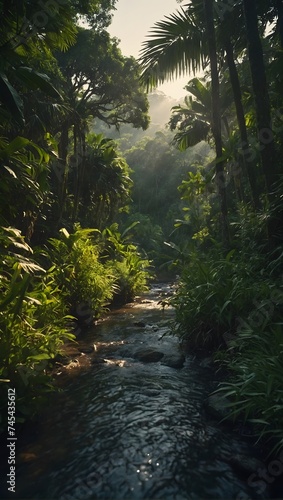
(82, 214)
(228, 243)
(61, 187)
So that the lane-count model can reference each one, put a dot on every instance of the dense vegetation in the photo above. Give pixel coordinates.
(229, 257)
(63, 257)
(87, 201)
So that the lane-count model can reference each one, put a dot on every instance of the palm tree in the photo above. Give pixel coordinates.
(193, 121)
(230, 25)
(279, 9)
(216, 117)
(261, 96)
(178, 45)
(263, 113)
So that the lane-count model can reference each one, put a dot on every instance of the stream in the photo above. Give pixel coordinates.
(124, 428)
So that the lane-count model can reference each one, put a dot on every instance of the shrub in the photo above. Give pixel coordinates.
(255, 390)
(132, 276)
(79, 274)
(32, 322)
(125, 262)
(36, 303)
(213, 292)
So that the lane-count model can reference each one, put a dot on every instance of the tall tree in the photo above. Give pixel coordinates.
(216, 117)
(261, 96)
(99, 83)
(102, 188)
(193, 119)
(179, 45)
(230, 33)
(263, 117)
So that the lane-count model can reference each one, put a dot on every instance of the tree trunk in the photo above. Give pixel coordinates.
(237, 94)
(80, 153)
(61, 170)
(263, 115)
(260, 91)
(279, 8)
(216, 117)
(76, 166)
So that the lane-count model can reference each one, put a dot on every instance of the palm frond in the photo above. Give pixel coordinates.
(200, 91)
(196, 131)
(175, 46)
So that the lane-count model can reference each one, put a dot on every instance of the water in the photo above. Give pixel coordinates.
(129, 430)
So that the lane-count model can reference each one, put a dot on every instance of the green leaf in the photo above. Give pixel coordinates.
(34, 80)
(65, 232)
(258, 421)
(173, 246)
(11, 99)
(11, 172)
(39, 357)
(33, 300)
(225, 305)
(131, 226)
(16, 145)
(230, 254)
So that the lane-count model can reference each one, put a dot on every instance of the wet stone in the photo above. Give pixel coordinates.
(141, 324)
(216, 408)
(149, 355)
(87, 350)
(174, 361)
(98, 361)
(243, 464)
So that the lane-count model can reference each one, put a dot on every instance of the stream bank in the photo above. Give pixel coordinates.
(131, 423)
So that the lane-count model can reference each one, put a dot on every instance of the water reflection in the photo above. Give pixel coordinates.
(129, 430)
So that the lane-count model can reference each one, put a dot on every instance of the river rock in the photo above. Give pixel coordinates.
(173, 360)
(98, 361)
(148, 355)
(89, 349)
(244, 465)
(141, 324)
(216, 407)
(73, 364)
(86, 350)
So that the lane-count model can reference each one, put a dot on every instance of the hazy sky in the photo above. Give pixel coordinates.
(131, 22)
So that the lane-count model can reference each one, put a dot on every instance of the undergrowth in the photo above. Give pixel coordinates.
(44, 294)
(230, 305)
